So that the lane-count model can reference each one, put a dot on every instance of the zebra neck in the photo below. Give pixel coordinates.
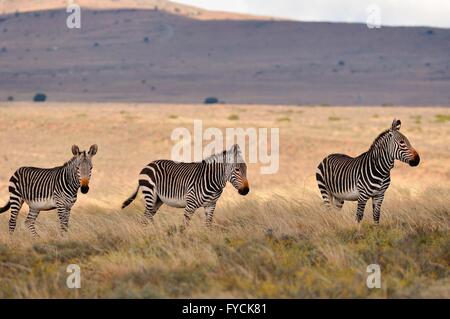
(71, 175)
(222, 175)
(217, 174)
(382, 160)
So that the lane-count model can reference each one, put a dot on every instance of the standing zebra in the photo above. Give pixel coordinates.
(341, 177)
(191, 185)
(47, 189)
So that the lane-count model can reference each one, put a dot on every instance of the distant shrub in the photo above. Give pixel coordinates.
(334, 118)
(146, 40)
(96, 44)
(341, 63)
(10, 98)
(211, 100)
(443, 118)
(430, 32)
(173, 116)
(233, 117)
(284, 119)
(4, 49)
(40, 97)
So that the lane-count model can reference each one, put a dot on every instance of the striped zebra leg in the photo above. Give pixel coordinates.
(16, 205)
(63, 216)
(152, 204)
(362, 201)
(326, 195)
(209, 214)
(31, 220)
(189, 210)
(376, 204)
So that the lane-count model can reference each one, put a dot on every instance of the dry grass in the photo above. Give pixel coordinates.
(276, 242)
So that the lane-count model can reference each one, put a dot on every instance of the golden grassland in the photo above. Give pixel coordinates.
(276, 242)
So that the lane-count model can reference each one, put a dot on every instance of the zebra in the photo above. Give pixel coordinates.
(45, 189)
(191, 185)
(341, 177)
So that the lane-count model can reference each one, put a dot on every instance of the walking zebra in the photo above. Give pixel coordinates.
(341, 177)
(47, 189)
(191, 185)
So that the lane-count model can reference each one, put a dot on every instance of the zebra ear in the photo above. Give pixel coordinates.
(93, 150)
(75, 150)
(396, 125)
(235, 149)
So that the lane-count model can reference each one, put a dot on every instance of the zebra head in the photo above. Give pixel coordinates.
(401, 147)
(84, 165)
(237, 170)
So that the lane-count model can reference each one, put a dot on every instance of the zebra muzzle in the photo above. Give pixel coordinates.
(84, 186)
(244, 189)
(415, 161)
(84, 189)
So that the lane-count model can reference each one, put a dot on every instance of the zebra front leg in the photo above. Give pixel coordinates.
(376, 204)
(362, 200)
(63, 216)
(209, 214)
(16, 205)
(30, 222)
(189, 210)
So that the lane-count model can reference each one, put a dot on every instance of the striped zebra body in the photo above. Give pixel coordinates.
(341, 177)
(190, 185)
(45, 189)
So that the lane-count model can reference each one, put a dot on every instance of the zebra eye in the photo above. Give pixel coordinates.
(402, 142)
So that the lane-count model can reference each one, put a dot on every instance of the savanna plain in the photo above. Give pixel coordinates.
(276, 242)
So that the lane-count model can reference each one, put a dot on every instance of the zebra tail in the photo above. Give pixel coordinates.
(5, 208)
(132, 198)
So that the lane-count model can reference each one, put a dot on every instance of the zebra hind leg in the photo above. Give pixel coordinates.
(30, 222)
(16, 205)
(326, 196)
(152, 204)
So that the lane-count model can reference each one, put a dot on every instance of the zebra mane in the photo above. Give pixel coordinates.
(69, 161)
(232, 155)
(379, 138)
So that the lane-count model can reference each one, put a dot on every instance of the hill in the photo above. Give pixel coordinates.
(164, 52)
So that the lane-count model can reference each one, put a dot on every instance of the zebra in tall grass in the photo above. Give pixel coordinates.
(46, 189)
(341, 177)
(191, 185)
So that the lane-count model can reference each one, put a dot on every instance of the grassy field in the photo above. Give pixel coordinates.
(276, 242)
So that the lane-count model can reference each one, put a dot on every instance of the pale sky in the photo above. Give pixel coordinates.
(392, 12)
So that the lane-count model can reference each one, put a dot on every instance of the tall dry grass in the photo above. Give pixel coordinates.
(279, 246)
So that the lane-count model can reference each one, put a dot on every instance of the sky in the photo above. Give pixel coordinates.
(435, 13)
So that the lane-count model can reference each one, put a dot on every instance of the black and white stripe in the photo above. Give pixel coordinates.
(341, 177)
(191, 185)
(47, 189)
